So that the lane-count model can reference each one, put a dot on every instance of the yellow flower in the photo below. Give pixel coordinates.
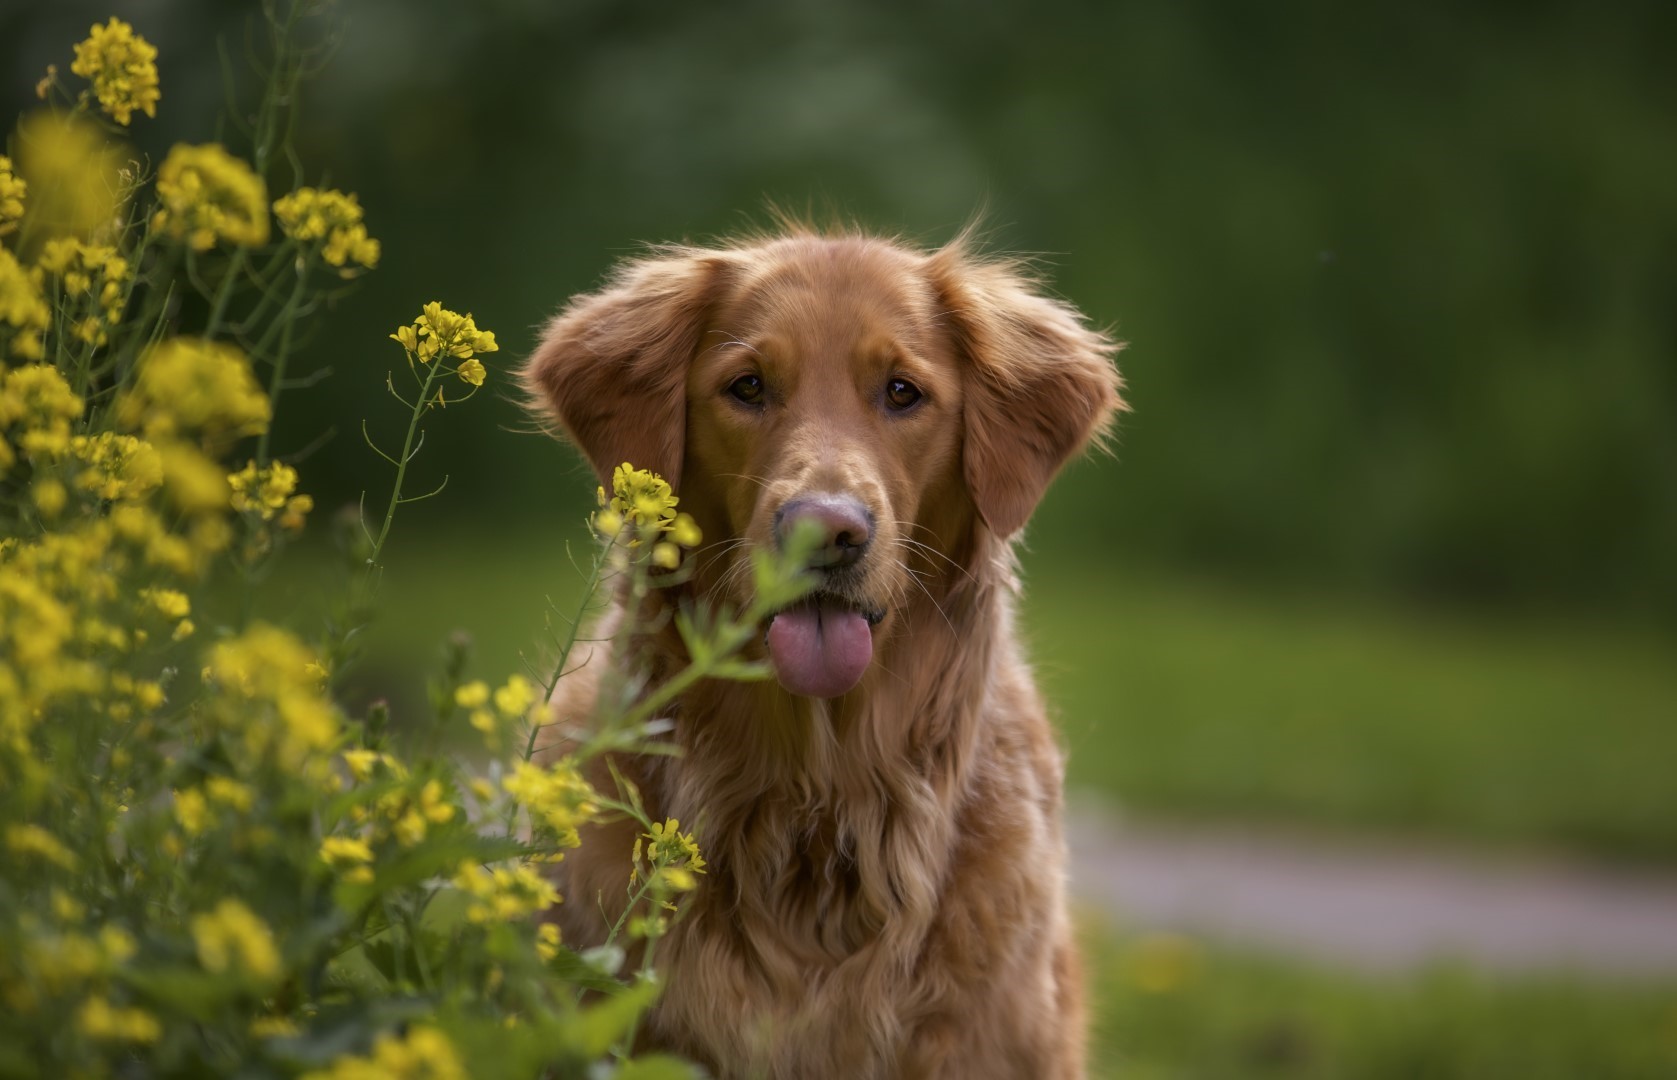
(547, 940)
(296, 511)
(423, 1054)
(265, 491)
(439, 331)
(230, 792)
(516, 697)
(361, 763)
(24, 315)
(643, 497)
(171, 602)
(122, 66)
(191, 385)
(309, 214)
(558, 799)
(13, 189)
(504, 892)
(343, 852)
(99, 1019)
(472, 694)
(91, 278)
(120, 467)
(666, 555)
(34, 840)
(266, 692)
(192, 810)
(685, 531)
(233, 936)
(471, 370)
(74, 175)
(208, 195)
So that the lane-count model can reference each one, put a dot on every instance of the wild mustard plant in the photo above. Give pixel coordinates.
(208, 864)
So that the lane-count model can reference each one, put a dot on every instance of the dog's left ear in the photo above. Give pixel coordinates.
(1040, 384)
(612, 367)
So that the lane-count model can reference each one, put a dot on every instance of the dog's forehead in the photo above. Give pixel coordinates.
(826, 287)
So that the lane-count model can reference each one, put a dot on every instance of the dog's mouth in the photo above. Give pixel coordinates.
(821, 646)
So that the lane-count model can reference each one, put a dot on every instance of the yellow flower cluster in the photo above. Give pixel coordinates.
(76, 177)
(122, 66)
(208, 195)
(503, 893)
(406, 812)
(37, 406)
(267, 491)
(99, 1019)
(558, 799)
(349, 856)
(12, 193)
(35, 841)
(673, 855)
(512, 701)
(424, 1053)
(87, 273)
(642, 501)
(118, 466)
(266, 693)
(24, 315)
(309, 214)
(191, 386)
(234, 938)
(441, 332)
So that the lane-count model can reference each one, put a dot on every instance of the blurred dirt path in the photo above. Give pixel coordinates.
(1376, 906)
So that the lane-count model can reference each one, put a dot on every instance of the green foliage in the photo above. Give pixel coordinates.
(214, 863)
(1170, 1008)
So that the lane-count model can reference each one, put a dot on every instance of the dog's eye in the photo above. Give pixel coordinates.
(747, 389)
(901, 393)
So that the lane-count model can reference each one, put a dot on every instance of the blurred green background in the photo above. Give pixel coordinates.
(1388, 542)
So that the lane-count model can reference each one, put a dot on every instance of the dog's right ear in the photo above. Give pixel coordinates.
(612, 366)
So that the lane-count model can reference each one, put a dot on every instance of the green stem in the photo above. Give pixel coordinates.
(419, 407)
(286, 320)
(225, 292)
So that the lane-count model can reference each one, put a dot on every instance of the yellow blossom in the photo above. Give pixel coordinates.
(361, 763)
(309, 214)
(24, 315)
(186, 385)
(265, 491)
(230, 792)
(472, 694)
(441, 332)
(558, 799)
(192, 810)
(99, 1019)
(34, 840)
(13, 190)
(74, 174)
(122, 66)
(208, 195)
(547, 941)
(666, 556)
(424, 1053)
(341, 852)
(118, 466)
(233, 936)
(643, 498)
(685, 531)
(471, 370)
(504, 892)
(516, 697)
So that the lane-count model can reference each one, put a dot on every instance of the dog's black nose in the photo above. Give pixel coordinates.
(844, 525)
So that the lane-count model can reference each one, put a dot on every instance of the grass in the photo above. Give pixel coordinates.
(1182, 699)
(1178, 698)
(1166, 1008)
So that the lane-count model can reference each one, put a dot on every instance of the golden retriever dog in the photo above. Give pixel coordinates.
(885, 895)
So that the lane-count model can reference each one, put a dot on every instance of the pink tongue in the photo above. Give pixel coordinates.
(820, 650)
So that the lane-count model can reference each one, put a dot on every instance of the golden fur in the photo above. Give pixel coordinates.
(886, 884)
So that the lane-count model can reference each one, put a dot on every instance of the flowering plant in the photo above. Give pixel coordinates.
(211, 865)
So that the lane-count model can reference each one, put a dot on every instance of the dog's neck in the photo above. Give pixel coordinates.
(859, 792)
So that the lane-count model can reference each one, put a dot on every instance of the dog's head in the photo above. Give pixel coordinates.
(898, 400)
